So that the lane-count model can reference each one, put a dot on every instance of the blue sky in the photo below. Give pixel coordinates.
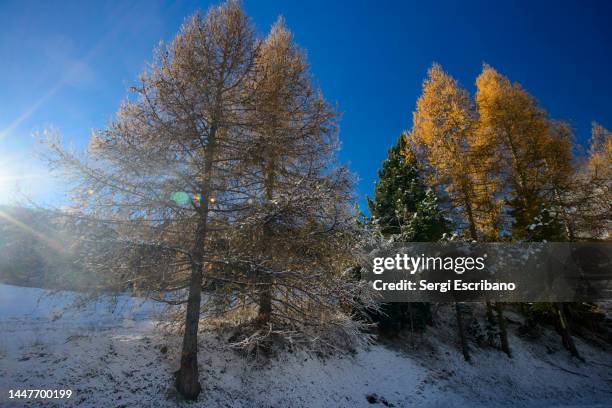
(67, 65)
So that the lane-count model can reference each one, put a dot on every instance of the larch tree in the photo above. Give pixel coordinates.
(156, 184)
(218, 175)
(294, 126)
(448, 134)
(443, 136)
(298, 230)
(586, 215)
(443, 126)
(531, 156)
(590, 199)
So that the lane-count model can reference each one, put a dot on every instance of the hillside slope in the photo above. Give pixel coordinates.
(123, 359)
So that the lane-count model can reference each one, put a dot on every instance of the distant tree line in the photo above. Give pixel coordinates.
(31, 251)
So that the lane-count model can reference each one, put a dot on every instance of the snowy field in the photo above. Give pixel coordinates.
(123, 359)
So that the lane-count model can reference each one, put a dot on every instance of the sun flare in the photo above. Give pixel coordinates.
(13, 179)
(5, 182)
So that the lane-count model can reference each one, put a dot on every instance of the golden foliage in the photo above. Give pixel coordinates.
(444, 128)
(496, 154)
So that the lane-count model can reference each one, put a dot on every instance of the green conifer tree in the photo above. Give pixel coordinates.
(403, 206)
(405, 210)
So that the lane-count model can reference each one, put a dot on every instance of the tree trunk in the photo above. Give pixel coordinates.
(503, 331)
(462, 338)
(187, 377)
(474, 236)
(470, 215)
(490, 316)
(491, 324)
(265, 296)
(265, 302)
(568, 341)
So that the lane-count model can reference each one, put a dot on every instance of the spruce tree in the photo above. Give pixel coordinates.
(405, 209)
(403, 206)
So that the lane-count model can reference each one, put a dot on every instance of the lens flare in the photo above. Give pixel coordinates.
(180, 197)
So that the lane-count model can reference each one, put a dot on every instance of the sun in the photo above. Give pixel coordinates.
(9, 177)
(5, 184)
(22, 177)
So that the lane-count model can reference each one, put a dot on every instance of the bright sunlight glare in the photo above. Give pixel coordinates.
(5, 178)
(19, 179)
(9, 188)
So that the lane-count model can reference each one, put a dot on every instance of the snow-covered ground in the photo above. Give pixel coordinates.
(123, 359)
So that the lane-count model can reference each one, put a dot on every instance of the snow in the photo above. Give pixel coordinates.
(117, 359)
